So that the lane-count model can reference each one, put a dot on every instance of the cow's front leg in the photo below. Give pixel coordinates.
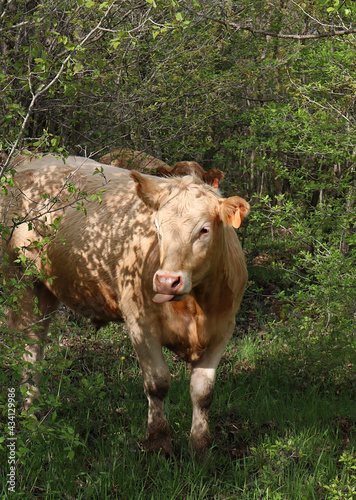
(156, 380)
(202, 382)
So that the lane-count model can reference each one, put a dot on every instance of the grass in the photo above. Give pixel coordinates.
(283, 422)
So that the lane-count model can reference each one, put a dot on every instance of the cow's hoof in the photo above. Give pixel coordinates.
(159, 442)
(200, 449)
(158, 437)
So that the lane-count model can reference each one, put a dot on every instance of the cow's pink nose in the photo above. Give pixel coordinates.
(168, 283)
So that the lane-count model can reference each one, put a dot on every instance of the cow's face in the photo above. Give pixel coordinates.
(190, 218)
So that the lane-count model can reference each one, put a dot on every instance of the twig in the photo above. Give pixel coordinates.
(44, 89)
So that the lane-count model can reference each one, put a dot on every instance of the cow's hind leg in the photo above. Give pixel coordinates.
(156, 379)
(32, 319)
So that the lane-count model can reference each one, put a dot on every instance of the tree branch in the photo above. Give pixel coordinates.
(334, 30)
(311, 36)
(44, 89)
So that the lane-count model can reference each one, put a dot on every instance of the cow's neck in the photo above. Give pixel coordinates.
(215, 288)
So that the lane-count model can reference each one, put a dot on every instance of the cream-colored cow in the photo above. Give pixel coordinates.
(136, 160)
(133, 160)
(162, 254)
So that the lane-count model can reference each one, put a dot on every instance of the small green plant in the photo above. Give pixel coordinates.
(343, 486)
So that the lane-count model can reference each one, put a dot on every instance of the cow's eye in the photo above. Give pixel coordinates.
(203, 232)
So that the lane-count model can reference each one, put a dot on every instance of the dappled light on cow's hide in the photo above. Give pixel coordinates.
(159, 253)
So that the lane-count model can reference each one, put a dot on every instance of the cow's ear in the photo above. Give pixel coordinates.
(233, 210)
(147, 189)
(164, 171)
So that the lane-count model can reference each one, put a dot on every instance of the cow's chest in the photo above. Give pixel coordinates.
(184, 329)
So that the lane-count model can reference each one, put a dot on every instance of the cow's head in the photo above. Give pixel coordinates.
(190, 219)
(213, 177)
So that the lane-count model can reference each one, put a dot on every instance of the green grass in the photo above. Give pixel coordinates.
(283, 422)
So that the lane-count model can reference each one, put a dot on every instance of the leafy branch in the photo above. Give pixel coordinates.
(311, 36)
(44, 88)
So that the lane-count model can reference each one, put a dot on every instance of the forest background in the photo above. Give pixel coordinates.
(264, 91)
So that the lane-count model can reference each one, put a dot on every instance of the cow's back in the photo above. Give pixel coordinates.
(99, 248)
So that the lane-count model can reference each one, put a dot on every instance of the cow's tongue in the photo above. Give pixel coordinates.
(160, 298)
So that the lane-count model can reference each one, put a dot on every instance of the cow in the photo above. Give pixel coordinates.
(136, 160)
(133, 160)
(212, 177)
(161, 254)
(3, 158)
